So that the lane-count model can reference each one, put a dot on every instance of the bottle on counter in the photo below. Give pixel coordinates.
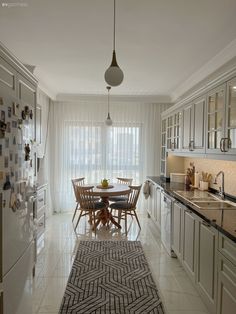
(196, 179)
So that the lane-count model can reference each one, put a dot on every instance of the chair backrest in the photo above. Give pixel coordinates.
(134, 194)
(127, 181)
(75, 183)
(85, 197)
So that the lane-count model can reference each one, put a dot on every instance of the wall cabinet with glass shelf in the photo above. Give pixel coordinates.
(173, 132)
(221, 119)
(163, 147)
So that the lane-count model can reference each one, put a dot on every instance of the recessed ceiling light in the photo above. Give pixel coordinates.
(14, 4)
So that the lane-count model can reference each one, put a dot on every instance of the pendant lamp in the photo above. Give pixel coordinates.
(114, 75)
(108, 119)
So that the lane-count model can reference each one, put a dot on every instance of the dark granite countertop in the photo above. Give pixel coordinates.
(223, 220)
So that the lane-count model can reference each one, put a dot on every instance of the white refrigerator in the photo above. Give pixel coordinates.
(17, 199)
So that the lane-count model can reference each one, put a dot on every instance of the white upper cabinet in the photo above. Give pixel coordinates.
(221, 119)
(216, 101)
(194, 126)
(230, 125)
(173, 131)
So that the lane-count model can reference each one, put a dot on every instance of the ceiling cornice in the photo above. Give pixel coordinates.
(225, 55)
(47, 90)
(117, 98)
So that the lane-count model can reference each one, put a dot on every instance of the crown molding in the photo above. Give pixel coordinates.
(225, 55)
(11, 59)
(115, 98)
(44, 88)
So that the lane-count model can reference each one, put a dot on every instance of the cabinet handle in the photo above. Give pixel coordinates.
(172, 146)
(228, 144)
(41, 224)
(40, 200)
(221, 145)
(191, 145)
(189, 211)
(205, 223)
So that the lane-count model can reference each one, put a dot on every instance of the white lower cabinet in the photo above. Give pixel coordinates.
(226, 286)
(195, 243)
(189, 242)
(176, 229)
(226, 303)
(154, 203)
(206, 270)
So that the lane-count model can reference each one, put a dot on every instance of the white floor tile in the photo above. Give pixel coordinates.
(61, 242)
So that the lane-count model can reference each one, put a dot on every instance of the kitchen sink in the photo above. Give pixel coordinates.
(215, 205)
(204, 199)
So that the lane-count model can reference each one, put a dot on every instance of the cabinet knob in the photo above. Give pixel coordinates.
(205, 223)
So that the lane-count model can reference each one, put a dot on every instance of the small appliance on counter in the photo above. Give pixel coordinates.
(177, 177)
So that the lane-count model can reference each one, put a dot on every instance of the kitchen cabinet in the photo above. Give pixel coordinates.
(221, 118)
(226, 276)
(216, 101)
(173, 131)
(176, 229)
(206, 270)
(230, 116)
(154, 203)
(189, 243)
(193, 138)
(163, 147)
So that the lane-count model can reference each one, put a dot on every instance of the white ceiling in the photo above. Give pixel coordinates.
(159, 43)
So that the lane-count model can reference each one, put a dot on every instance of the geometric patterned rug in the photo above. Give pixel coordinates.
(110, 277)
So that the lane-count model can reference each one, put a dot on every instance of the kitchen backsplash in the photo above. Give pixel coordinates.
(213, 167)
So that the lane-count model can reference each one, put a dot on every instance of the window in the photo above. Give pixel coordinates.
(97, 151)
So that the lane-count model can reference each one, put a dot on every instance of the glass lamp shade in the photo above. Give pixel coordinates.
(108, 120)
(114, 75)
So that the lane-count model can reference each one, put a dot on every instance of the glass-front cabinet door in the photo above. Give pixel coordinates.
(177, 130)
(163, 147)
(230, 141)
(169, 133)
(215, 120)
(173, 131)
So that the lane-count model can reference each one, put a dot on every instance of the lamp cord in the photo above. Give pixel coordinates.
(108, 100)
(114, 28)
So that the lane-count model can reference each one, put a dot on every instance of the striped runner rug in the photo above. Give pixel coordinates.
(110, 277)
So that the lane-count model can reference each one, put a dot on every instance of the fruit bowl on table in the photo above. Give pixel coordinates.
(105, 187)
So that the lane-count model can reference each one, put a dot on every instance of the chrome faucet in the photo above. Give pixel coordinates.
(222, 188)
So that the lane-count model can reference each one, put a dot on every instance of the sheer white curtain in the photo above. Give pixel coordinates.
(81, 145)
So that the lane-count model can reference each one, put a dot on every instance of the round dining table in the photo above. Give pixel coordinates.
(115, 189)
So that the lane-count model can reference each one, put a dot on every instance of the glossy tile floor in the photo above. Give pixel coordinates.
(60, 245)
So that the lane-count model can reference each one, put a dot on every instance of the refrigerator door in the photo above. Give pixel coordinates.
(17, 232)
(17, 285)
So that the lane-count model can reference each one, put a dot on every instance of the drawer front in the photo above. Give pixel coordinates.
(227, 248)
(41, 226)
(41, 212)
(41, 199)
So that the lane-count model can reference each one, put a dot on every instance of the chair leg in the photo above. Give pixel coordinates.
(94, 222)
(119, 216)
(137, 219)
(81, 212)
(76, 208)
(126, 223)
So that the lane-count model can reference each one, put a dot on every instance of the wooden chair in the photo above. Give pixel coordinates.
(128, 207)
(88, 204)
(127, 181)
(75, 183)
